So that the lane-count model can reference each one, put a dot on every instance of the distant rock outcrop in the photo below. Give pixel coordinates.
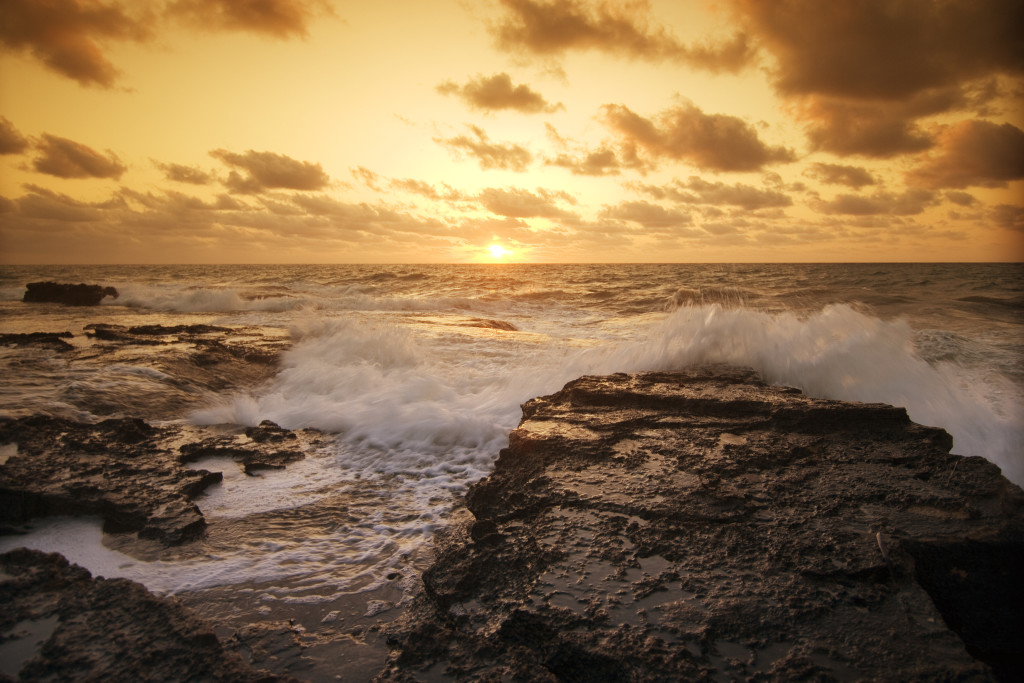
(72, 295)
(58, 623)
(705, 526)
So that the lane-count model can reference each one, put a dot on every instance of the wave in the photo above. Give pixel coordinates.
(444, 408)
(840, 353)
(203, 300)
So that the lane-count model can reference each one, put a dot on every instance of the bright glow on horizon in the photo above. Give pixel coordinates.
(498, 252)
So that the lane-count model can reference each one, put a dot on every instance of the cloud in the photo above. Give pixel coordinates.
(699, 191)
(973, 153)
(648, 215)
(519, 203)
(180, 173)
(278, 18)
(1009, 216)
(961, 198)
(427, 190)
(509, 157)
(497, 92)
(911, 202)
(11, 141)
(65, 158)
(862, 73)
(268, 170)
(552, 28)
(715, 142)
(65, 35)
(884, 50)
(838, 174)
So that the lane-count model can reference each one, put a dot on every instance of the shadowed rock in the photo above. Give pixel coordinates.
(126, 471)
(72, 295)
(705, 526)
(59, 623)
(46, 340)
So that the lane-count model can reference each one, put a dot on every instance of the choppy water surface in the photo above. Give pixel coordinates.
(417, 372)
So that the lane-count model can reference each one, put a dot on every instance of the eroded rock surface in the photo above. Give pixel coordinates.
(705, 526)
(57, 622)
(128, 472)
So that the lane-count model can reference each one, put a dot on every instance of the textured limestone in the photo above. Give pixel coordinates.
(704, 526)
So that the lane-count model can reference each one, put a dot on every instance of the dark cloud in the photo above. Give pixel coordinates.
(180, 173)
(69, 159)
(973, 153)
(1009, 216)
(11, 141)
(699, 191)
(885, 50)
(617, 27)
(838, 174)
(911, 202)
(873, 129)
(268, 170)
(519, 203)
(862, 73)
(66, 35)
(961, 198)
(716, 142)
(278, 18)
(497, 92)
(508, 157)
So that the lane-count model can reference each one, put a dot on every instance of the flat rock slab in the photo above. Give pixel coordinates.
(705, 526)
(57, 622)
(128, 472)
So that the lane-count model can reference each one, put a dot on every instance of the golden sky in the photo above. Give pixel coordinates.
(402, 131)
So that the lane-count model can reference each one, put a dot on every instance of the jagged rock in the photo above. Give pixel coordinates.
(59, 623)
(49, 340)
(124, 470)
(705, 526)
(72, 295)
(111, 469)
(252, 459)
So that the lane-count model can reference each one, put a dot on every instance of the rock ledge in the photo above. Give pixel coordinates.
(705, 526)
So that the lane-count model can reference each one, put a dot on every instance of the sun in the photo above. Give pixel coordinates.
(497, 251)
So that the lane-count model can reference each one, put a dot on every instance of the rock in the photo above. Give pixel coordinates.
(72, 295)
(59, 623)
(113, 469)
(48, 340)
(126, 471)
(705, 526)
(253, 455)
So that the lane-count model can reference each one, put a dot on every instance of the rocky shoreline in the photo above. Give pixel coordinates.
(704, 526)
(661, 526)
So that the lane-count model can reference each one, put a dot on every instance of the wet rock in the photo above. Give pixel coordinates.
(252, 452)
(48, 340)
(126, 471)
(704, 526)
(112, 469)
(72, 295)
(59, 623)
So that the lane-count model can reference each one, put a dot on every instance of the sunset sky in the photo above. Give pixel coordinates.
(402, 131)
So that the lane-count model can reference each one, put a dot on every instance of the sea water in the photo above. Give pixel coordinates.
(417, 372)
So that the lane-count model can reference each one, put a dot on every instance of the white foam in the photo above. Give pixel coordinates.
(838, 353)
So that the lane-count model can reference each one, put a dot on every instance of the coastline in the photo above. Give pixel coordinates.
(623, 533)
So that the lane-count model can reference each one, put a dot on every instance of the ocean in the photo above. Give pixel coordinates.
(415, 373)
